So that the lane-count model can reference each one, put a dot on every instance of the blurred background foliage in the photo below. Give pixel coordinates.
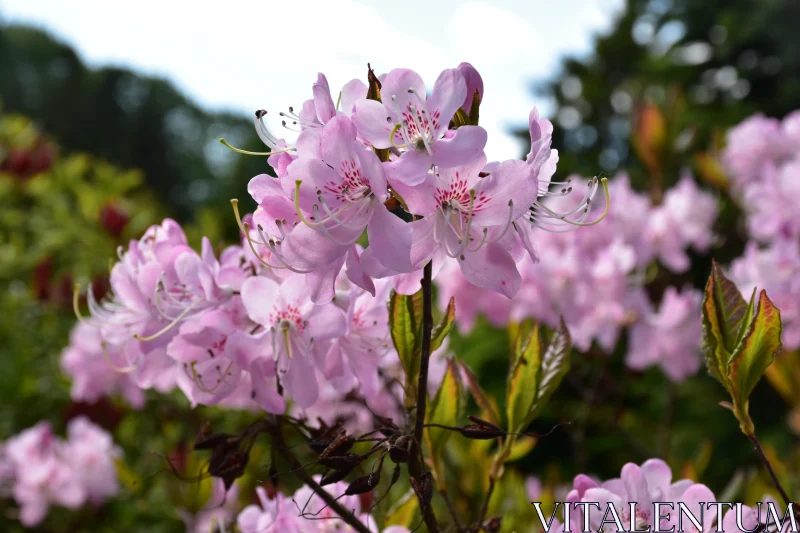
(91, 157)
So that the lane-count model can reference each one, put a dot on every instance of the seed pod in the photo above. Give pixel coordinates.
(480, 432)
(334, 477)
(399, 450)
(338, 446)
(363, 484)
(423, 489)
(342, 462)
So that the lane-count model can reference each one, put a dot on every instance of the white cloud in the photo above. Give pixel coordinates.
(249, 54)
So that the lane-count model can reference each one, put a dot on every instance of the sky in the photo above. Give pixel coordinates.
(242, 55)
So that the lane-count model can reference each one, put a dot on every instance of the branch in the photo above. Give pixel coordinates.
(757, 445)
(485, 507)
(337, 508)
(416, 466)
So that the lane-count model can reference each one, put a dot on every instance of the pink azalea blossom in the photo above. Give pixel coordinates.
(770, 202)
(467, 217)
(46, 470)
(651, 482)
(669, 338)
(774, 269)
(417, 126)
(217, 513)
(345, 186)
(685, 218)
(298, 333)
(93, 369)
(752, 144)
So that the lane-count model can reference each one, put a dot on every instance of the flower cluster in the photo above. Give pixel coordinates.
(644, 486)
(42, 469)
(594, 277)
(304, 512)
(300, 306)
(763, 160)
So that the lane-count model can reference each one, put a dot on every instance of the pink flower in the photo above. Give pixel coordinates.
(298, 333)
(474, 85)
(91, 452)
(344, 186)
(278, 515)
(669, 338)
(770, 202)
(48, 470)
(94, 369)
(206, 349)
(416, 125)
(684, 219)
(467, 217)
(752, 144)
(774, 268)
(651, 482)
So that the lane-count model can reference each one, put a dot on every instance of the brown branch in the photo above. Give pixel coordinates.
(416, 465)
(485, 506)
(456, 522)
(757, 445)
(346, 515)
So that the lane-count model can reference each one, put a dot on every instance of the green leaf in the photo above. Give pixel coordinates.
(405, 319)
(522, 380)
(445, 410)
(760, 343)
(445, 325)
(486, 403)
(724, 308)
(555, 365)
(521, 447)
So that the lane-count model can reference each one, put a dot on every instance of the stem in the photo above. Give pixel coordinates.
(757, 445)
(427, 329)
(416, 465)
(337, 508)
(485, 507)
(452, 510)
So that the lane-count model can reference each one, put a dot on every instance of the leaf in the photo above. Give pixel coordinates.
(522, 380)
(724, 310)
(404, 326)
(486, 403)
(521, 447)
(445, 325)
(757, 349)
(404, 512)
(555, 365)
(445, 410)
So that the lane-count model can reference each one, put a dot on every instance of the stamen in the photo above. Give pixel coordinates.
(247, 152)
(465, 239)
(397, 126)
(168, 327)
(580, 223)
(334, 216)
(508, 222)
(263, 133)
(76, 293)
(122, 370)
(242, 227)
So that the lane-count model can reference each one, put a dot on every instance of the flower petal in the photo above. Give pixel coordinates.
(463, 147)
(373, 122)
(492, 267)
(390, 239)
(449, 93)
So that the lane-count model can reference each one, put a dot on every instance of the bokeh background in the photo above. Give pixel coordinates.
(110, 116)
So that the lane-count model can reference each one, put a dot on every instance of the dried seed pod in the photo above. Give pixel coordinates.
(400, 450)
(363, 484)
(423, 489)
(342, 462)
(480, 432)
(334, 477)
